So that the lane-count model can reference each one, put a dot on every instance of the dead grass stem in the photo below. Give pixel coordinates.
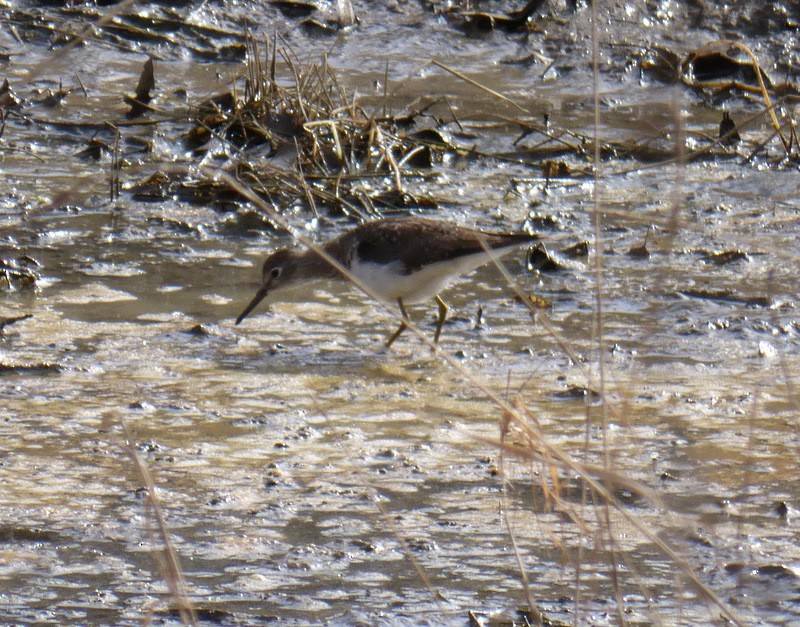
(166, 556)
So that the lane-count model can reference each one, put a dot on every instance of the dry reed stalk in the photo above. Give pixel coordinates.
(598, 328)
(601, 481)
(167, 556)
(480, 86)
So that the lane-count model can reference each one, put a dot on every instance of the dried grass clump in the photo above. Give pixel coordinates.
(324, 148)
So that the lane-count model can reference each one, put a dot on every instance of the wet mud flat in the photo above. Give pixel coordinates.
(618, 445)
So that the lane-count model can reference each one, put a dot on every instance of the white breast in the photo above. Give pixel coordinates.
(388, 283)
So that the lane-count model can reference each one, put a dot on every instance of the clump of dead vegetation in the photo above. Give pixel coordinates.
(308, 142)
(322, 149)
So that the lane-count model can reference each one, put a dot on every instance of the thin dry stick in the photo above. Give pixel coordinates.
(480, 86)
(296, 186)
(504, 427)
(386, 88)
(680, 158)
(598, 299)
(520, 565)
(610, 407)
(586, 471)
(116, 168)
(172, 571)
(334, 82)
(760, 145)
(510, 281)
(453, 113)
(387, 153)
(298, 80)
(784, 361)
(304, 183)
(537, 448)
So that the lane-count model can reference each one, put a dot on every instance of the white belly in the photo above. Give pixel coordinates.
(388, 283)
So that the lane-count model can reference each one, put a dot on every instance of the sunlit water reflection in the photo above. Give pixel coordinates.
(301, 466)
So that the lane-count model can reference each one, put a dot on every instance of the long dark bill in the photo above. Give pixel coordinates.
(260, 295)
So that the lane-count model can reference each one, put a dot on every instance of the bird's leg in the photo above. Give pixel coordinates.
(403, 324)
(442, 316)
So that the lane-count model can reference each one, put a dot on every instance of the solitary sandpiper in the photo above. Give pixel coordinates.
(402, 260)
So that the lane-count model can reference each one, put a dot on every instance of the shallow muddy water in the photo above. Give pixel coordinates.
(306, 474)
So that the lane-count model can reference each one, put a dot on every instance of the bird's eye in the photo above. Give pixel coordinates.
(274, 273)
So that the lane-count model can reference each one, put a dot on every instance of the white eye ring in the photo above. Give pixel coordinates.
(274, 273)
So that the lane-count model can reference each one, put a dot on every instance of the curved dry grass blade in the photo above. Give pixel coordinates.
(586, 472)
(480, 86)
(759, 75)
(167, 558)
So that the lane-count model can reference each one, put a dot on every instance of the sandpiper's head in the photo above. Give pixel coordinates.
(280, 270)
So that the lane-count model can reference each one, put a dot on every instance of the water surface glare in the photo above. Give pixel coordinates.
(309, 476)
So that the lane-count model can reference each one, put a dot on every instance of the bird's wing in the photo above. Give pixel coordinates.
(416, 243)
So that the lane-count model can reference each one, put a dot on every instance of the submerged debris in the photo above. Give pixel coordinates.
(43, 367)
(725, 257)
(727, 296)
(722, 68)
(538, 302)
(8, 99)
(294, 8)
(94, 149)
(728, 133)
(50, 98)
(578, 393)
(475, 23)
(19, 273)
(7, 321)
(640, 251)
(716, 68)
(576, 251)
(139, 102)
(541, 259)
(199, 330)
(555, 169)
